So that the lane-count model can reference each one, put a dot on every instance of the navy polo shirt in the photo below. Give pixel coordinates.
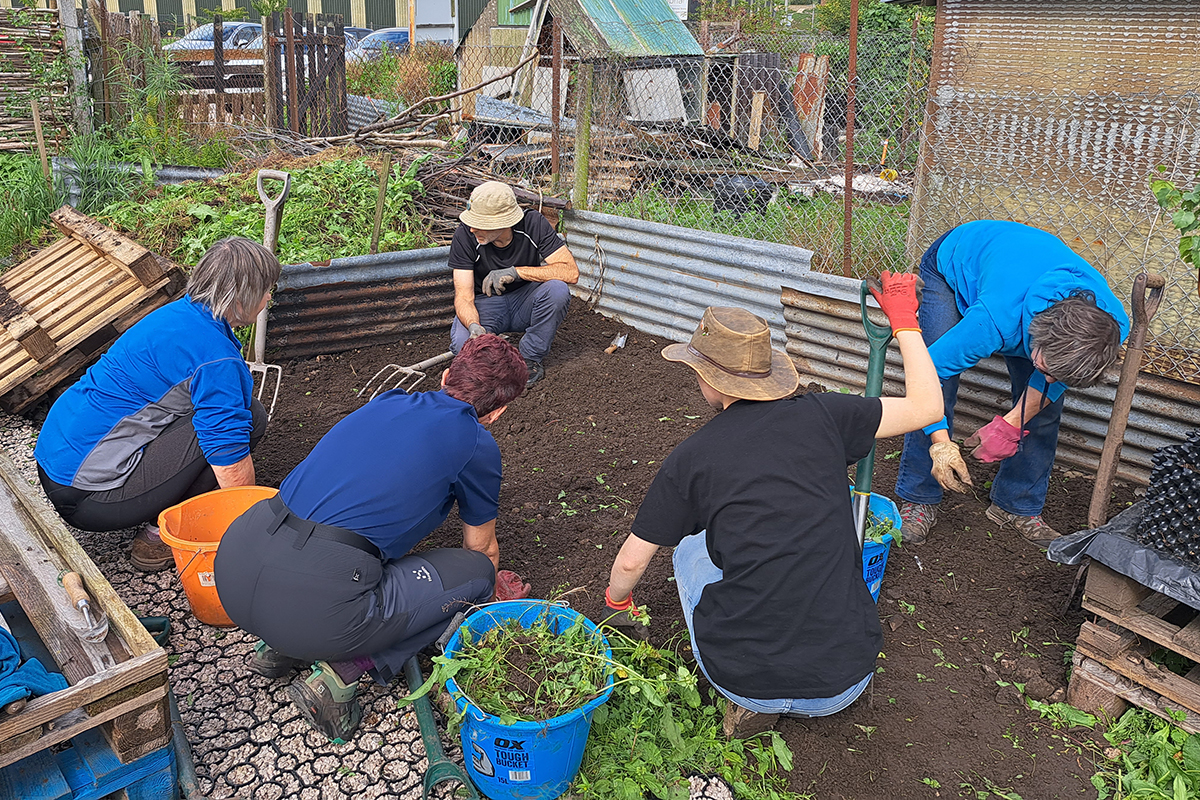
(392, 470)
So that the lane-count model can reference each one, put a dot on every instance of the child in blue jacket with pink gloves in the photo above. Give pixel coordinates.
(1003, 288)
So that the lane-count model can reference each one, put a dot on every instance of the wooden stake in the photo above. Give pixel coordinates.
(41, 142)
(555, 88)
(756, 117)
(583, 135)
(383, 182)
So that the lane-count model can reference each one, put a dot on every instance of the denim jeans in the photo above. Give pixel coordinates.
(1021, 484)
(537, 309)
(693, 571)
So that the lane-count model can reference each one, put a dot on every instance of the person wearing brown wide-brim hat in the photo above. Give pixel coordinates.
(511, 273)
(757, 506)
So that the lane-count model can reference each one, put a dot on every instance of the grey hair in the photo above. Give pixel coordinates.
(1078, 340)
(232, 277)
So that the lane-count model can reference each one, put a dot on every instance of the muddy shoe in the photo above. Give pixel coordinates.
(150, 553)
(536, 372)
(742, 723)
(326, 702)
(1033, 529)
(271, 663)
(917, 520)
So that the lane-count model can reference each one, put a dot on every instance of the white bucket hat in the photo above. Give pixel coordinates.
(492, 206)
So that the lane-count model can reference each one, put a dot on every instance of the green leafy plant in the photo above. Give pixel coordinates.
(878, 528)
(1184, 207)
(1150, 759)
(26, 203)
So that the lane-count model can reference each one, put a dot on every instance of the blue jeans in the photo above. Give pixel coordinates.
(693, 571)
(1021, 484)
(537, 309)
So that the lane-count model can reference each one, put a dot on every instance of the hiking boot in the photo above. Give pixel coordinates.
(270, 663)
(742, 723)
(916, 520)
(536, 372)
(1032, 529)
(326, 702)
(150, 553)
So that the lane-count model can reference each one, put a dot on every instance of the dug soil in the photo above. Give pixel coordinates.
(968, 617)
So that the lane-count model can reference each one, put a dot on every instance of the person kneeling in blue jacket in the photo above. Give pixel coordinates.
(994, 287)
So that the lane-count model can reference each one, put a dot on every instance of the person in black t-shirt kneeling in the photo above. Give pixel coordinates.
(757, 507)
(511, 272)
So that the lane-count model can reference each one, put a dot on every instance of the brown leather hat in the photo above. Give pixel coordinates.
(731, 350)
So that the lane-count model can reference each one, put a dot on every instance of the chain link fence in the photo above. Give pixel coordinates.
(749, 140)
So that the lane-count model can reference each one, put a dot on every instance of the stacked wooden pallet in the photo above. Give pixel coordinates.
(62, 307)
(118, 685)
(1121, 657)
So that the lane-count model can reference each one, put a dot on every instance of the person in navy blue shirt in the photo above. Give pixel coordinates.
(324, 572)
(994, 287)
(167, 412)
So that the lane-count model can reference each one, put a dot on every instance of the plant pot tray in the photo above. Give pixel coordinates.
(118, 685)
(64, 305)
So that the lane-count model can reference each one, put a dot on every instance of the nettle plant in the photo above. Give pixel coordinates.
(1183, 204)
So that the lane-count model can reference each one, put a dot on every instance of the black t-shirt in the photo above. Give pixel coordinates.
(791, 617)
(534, 240)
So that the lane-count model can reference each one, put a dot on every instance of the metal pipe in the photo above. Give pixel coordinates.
(186, 767)
(848, 193)
(556, 57)
(583, 134)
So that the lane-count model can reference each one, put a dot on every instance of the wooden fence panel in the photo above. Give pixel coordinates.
(30, 39)
(225, 87)
(306, 80)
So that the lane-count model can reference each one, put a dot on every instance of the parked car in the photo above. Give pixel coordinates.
(259, 44)
(234, 35)
(359, 34)
(393, 40)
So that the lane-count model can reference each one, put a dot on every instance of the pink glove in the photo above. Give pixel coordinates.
(995, 441)
(509, 586)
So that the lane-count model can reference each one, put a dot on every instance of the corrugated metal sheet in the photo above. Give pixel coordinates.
(360, 301)
(640, 28)
(660, 278)
(826, 340)
(362, 111)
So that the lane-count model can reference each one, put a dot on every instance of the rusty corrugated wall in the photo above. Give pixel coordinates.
(360, 301)
(1055, 113)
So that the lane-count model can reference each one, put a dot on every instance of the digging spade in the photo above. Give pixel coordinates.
(274, 206)
(878, 337)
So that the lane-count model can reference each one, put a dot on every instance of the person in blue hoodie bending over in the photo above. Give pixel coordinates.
(994, 287)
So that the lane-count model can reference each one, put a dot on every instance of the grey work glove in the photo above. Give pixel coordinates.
(495, 282)
(629, 620)
(476, 330)
(949, 469)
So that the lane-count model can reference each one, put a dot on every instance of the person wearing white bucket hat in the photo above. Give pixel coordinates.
(511, 272)
(756, 505)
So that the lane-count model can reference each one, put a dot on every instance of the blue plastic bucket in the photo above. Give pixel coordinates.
(525, 760)
(875, 554)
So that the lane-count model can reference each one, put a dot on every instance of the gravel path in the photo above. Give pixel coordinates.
(248, 739)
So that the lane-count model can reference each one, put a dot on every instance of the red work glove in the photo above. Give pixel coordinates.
(995, 441)
(509, 586)
(898, 295)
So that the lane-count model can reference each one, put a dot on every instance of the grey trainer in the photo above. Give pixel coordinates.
(917, 520)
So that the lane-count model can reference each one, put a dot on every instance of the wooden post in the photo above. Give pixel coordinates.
(293, 99)
(218, 69)
(848, 192)
(379, 202)
(583, 134)
(105, 65)
(555, 88)
(758, 100)
(272, 111)
(41, 141)
(412, 24)
(73, 48)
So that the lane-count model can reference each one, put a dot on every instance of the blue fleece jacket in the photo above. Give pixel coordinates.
(1002, 274)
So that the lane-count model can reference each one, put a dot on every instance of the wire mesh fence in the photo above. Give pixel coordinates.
(749, 140)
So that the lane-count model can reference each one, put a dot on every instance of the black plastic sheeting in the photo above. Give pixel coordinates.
(1113, 546)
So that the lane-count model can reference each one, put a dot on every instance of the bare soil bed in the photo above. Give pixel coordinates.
(974, 608)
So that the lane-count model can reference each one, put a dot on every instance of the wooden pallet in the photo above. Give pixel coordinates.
(89, 770)
(118, 685)
(1113, 656)
(63, 306)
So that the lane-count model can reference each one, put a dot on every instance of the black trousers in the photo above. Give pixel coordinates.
(171, 470)
(316, 592)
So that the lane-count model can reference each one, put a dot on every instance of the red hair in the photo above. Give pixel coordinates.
(488, 373)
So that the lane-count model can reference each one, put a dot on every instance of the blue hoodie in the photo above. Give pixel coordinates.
(1002, 274)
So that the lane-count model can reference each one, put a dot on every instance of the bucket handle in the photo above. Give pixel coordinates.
(195, 555)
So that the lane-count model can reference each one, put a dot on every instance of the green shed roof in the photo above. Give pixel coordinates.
(637, 28)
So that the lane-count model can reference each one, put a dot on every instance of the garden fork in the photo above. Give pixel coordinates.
(274, 206)
(440, 768)
(394, 376)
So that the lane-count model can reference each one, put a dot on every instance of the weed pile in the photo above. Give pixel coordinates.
(878, 528)
(329, 212)
(530, 673)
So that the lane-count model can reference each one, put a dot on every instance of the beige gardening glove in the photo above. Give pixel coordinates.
(949, 469)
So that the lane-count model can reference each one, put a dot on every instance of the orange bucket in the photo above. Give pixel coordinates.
(193, 529)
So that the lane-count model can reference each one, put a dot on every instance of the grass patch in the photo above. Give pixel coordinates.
(877, 243)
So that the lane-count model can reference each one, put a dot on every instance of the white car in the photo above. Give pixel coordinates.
(234, 36)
